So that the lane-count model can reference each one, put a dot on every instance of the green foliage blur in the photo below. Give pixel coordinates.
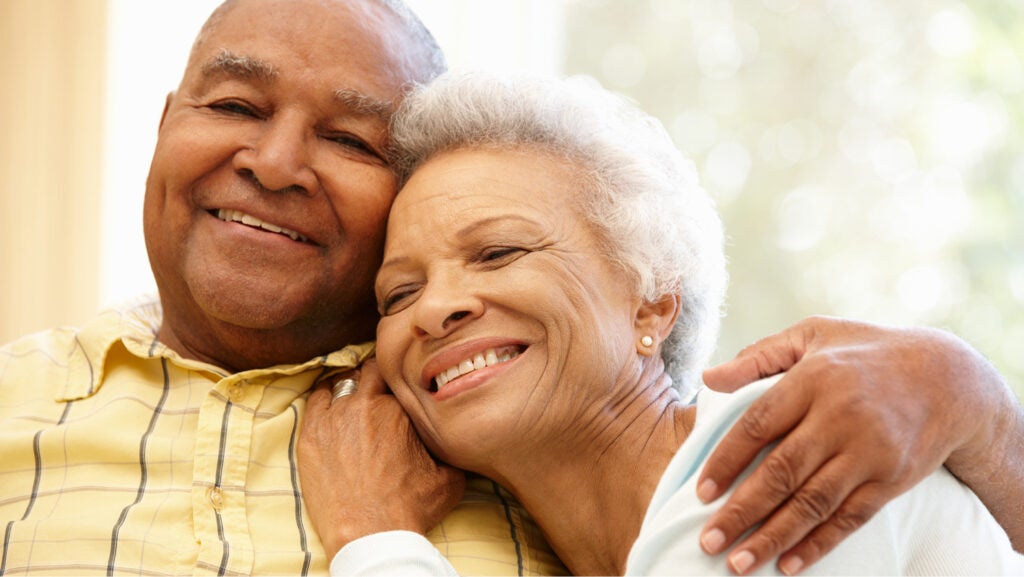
(867, 156)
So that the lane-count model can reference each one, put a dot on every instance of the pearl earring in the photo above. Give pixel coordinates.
(646, 341)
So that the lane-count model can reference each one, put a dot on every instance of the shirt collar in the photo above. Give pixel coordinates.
(135, 325)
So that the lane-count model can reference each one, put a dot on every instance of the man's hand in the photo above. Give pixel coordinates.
(364, 470)
(863, 413)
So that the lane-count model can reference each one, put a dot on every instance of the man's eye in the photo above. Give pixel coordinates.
(235, 107)
(353, 142)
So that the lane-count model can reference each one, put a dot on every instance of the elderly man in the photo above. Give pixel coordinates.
(161, 437)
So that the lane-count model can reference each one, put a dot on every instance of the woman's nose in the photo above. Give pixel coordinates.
(442, 309)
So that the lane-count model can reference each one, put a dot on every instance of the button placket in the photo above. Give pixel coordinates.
(237, 392)
(216, 498)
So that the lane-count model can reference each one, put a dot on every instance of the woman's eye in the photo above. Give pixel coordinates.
(395, 301)
(498, 253)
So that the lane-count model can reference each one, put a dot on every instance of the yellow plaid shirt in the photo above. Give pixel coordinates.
(117, 456)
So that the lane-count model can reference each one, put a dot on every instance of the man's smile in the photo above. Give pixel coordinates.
(228, 215)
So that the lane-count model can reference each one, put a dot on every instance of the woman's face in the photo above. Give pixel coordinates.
(504, 325)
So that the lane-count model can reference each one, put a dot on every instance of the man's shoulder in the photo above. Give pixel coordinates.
(137, 317)
(73, 357)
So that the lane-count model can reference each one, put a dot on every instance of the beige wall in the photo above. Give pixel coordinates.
(51, 118)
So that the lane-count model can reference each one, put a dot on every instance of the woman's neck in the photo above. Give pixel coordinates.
(590, 498)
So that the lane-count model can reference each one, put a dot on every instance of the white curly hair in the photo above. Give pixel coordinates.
(638, 190)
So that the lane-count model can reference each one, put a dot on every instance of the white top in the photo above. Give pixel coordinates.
(938, 527)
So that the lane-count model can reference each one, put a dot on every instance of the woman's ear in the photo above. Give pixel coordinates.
(654, 322)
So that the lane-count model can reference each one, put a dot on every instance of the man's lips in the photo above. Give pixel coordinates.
(228, 215)
(486, 358)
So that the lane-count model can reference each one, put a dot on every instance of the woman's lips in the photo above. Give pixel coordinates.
(481, 360)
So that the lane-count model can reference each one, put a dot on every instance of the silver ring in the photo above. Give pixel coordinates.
(343, 388)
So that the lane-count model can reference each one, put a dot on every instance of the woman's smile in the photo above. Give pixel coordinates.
(487, 358)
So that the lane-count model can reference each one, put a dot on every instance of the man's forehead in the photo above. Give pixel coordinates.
(239, 42)
(297, 20)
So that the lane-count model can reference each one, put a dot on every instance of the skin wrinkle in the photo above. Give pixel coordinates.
(625, 402)
(285, 83)
(575, 299)
(553, 257)
(582, 391)
(244, 67)
(638, 394)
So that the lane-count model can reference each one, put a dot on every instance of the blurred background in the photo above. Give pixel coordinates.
(867, 156)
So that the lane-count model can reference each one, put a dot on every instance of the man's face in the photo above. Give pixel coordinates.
(268, 191)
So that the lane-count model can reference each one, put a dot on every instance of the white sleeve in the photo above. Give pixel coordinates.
(391, 553)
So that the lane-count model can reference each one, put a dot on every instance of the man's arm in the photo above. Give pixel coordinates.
(864, 413)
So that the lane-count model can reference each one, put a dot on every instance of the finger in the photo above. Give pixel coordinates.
(343, 386)
(775, 481)
(370, 380)
(319, 398)
(768, 418)
(766, 357)
(811, 505)
(314, 419)
(857, 510)
(730, 376)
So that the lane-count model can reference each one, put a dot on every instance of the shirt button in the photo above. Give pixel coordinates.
(236, 392)
(216, 497)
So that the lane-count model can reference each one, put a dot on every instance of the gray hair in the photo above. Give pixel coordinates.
(434, 63)
(637, 189)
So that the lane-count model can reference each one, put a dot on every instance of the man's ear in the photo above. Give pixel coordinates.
(167, 106)
(654, 320)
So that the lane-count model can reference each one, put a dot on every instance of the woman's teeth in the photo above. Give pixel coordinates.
(487, 358)
(249, 220)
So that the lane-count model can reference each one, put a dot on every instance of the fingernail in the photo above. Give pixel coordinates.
(707, 490)
(791, 565)
(741, 561)
(712, 540)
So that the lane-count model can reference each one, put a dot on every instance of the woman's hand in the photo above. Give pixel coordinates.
(364, 470)
(863, 413)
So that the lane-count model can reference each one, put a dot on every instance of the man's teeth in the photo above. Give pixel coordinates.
(248, 219)
(488, 358)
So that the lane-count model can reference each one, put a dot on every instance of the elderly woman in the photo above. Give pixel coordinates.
(550, 290)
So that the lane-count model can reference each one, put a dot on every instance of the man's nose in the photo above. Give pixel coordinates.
(279, 158)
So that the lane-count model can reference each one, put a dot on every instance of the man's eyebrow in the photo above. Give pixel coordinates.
(365, 105)
(229, 63)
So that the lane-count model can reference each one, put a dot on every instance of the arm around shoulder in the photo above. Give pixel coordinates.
(992, 464)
